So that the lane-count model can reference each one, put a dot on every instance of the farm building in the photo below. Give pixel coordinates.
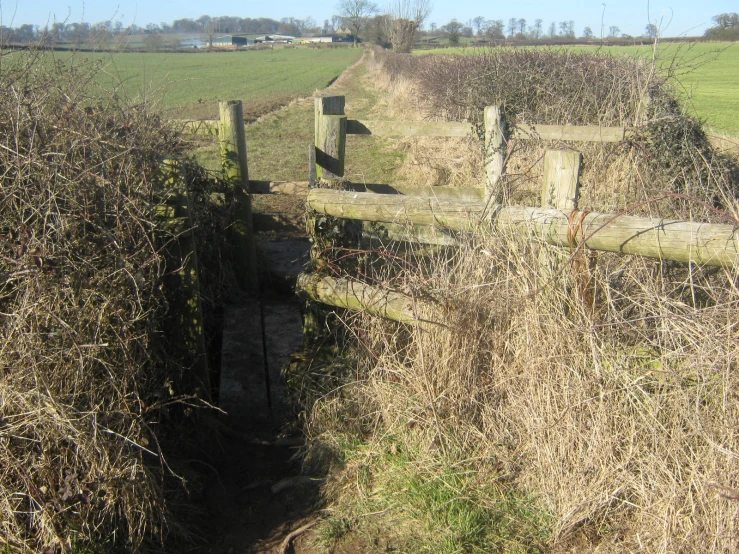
(231, 40)
(275, 38)
(330, 38)
(193, 42)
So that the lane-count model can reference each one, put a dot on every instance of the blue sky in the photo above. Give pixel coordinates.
(631, 16)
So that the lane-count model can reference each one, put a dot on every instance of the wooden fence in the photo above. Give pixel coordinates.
(437, 215)
(332, 127)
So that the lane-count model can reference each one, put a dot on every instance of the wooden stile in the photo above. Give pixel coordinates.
(463, 129)
(468, 194)
(414, 234)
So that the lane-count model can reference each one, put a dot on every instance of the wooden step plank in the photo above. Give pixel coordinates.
(243, 384)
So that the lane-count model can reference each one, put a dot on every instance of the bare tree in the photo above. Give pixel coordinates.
(453, 30)
(405, 17)
(651, 30)
(522, 27)
(336, 22)
(537, 29)
(494, 29)
(355, 14)
(478, 23)
(567, 29)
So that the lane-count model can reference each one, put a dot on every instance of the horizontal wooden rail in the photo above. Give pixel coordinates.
(569, 132)
(464, 194)
(409, 128)
(416, 234)
(387, 208)
(461, 129)
(356, 296)
(682, 241)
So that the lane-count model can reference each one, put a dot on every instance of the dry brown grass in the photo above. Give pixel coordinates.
(615, 427)
(85, 379)
(622, 425)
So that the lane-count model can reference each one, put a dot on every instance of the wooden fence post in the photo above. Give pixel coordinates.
(495, 150)
(182, 282)
(330, 137)
(560, 191)
(561, 184)
(328, 105)
(235, 169)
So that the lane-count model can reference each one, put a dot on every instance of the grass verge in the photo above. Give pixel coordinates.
(278, 143)
(442, 504)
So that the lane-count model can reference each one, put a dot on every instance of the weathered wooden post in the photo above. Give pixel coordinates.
(560, 191)
(330, 137)
(326, 160)
(561, 184)
(182, 282)
(495, 150)
(232, 138)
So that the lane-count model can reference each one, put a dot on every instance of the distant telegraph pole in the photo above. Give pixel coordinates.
(603, 22)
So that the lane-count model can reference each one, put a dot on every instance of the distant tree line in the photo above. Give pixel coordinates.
(398, 27)
(520, 29)
(105, 32)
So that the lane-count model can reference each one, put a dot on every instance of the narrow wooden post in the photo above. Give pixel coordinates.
(331, 147)
(182, 282)
(560, 190)
(495, 150)
(561, 184)
(232, 138)
(328, 105)
(330, 137)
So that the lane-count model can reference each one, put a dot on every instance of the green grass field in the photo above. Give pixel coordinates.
(190, 84)
(707, 76)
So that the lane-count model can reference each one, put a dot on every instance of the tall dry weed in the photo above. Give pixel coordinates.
(618, 422)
